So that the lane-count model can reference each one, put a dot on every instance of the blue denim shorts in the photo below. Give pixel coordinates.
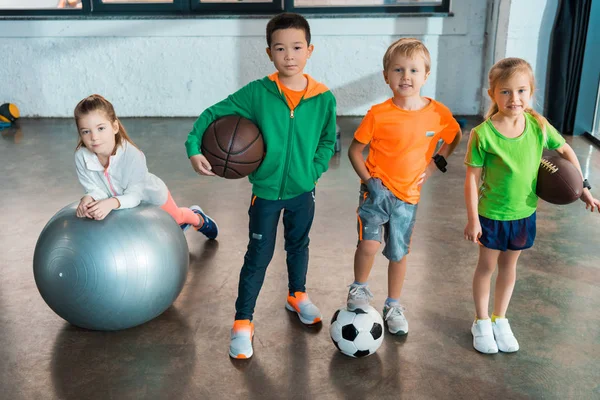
(389, 217)
(513, 235)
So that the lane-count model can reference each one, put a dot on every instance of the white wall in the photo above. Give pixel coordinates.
(179, 67)
(522, 28)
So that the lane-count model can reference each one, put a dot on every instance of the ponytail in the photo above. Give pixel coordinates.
(542, 122)
(492, 110)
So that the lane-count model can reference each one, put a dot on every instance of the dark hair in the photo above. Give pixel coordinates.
(287, 21)
(96, 102)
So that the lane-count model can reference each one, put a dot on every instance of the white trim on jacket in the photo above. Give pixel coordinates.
(126, 177)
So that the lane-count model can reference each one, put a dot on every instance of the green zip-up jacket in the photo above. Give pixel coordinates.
(298, 143)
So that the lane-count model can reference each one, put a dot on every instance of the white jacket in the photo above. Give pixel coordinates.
(126, 177)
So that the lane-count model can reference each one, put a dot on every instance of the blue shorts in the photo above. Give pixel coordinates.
(389, 217)
(513, 235)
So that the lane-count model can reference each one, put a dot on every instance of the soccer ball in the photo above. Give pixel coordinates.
(357, 333)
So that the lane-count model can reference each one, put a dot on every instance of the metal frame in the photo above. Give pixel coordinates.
(176, 7)
(266, 8)
(70, 12)
(393, 9)
(191, 8)
(596, 121)
(594, 135)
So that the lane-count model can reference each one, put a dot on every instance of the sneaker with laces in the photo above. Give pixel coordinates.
(483, 336)
(393, 315)
(209, 228)
(507, 343)
(358, 297)
(299, 303)
(242, 333)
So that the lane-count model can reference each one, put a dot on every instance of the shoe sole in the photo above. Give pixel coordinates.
(398, 332)
(485, 352)
(357, 307)
(289, 307)
(214, 222)
(241, 356)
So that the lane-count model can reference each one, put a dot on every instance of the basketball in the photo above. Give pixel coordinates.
(558, 181)
(233, 146)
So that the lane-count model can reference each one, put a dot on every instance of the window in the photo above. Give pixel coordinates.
(39, 4)
(43, 7)
(219, 7)
(368, 6)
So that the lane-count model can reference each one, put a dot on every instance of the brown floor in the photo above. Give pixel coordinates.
(183, 353)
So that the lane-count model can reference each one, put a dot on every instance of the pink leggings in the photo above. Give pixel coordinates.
(182, 215)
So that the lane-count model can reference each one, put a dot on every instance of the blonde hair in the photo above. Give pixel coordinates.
(503, 70)
(96, 102)
(408, 47)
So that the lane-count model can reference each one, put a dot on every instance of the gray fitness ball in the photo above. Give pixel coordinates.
(111, 274)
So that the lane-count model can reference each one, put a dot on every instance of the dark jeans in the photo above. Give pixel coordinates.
(298, 214)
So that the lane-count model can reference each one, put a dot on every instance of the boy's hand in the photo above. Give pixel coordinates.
(590, 201)
(100, 209)
(82, 208)
(201, 165)
(376, 189)
(473, 231)
(431, 168)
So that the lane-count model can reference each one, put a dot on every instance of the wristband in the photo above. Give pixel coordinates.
(586, 185)
(440, 162)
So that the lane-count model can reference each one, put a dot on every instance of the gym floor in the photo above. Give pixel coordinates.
(182, 354)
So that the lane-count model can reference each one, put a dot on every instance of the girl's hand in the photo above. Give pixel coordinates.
(100, 209)
(201, 165)
(589, 200)
(428, 172)
(82, 208)
(473, 231)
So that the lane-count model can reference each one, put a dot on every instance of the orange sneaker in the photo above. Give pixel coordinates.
(241, 339)
(299, 303)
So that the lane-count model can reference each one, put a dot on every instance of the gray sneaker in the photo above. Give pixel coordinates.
(358, 297)
(393, 314)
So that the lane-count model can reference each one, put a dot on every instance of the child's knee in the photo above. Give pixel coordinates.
(368, 247)
(485, 267)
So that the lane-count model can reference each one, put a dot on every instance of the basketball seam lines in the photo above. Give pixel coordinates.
(231, 140)
(248, 146)
(217, 156)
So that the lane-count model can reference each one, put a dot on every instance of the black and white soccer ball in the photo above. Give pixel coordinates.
(357, 333)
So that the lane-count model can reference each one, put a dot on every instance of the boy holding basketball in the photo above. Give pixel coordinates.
(296, 116)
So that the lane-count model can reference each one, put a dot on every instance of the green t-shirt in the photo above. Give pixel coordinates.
(510, 167)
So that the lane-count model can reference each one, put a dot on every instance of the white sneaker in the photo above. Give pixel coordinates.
(358, 297)
(393, 314)
(483, 336)
(507, 343)
(242, 333)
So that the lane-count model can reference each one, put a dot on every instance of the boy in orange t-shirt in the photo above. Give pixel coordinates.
(403, 133)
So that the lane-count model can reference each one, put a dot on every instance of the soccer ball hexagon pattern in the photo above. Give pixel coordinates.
(357, 333)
